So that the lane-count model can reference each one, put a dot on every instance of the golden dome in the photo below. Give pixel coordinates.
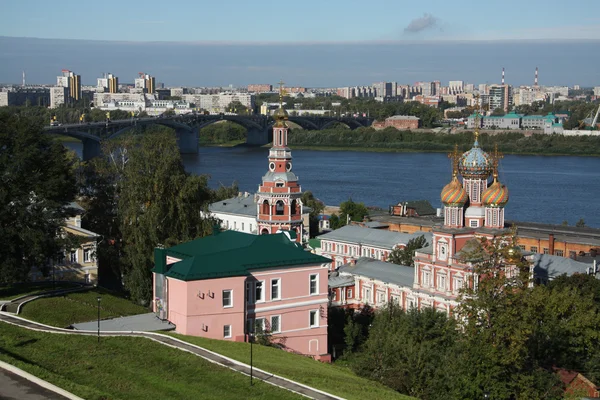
(453, 194)
(280, 114)
(495, 196)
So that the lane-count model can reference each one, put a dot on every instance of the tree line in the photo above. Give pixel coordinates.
(137, 196)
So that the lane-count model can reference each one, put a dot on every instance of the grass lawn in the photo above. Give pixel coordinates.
(78, 307)
(334, 379)
(125, 368)
(22, 289)
(231, 143)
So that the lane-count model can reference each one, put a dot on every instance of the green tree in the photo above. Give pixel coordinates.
(158, 203)
(316, 207)
(580, 223)
(238, 108)
(349, 210)
(404, 255)
(498, 112)
(37, 185)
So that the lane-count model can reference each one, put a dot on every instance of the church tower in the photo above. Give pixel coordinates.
(454, 196)
(495, 197)
(279, 204)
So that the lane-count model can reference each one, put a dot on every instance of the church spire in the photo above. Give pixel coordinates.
(280, 115)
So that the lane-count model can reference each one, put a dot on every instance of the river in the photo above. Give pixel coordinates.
(548, 189)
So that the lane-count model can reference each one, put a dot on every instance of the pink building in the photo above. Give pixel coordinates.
(230, 284)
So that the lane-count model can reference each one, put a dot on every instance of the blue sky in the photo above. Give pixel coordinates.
(306, 21)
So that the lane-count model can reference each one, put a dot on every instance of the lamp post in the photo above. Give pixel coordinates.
(98, 298)
(486, 395)
(251, 368)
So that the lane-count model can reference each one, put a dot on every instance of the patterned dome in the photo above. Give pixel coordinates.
(453, 194)
(475, 163)
(495, 196)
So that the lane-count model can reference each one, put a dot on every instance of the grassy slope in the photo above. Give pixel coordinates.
(333, 379)
(22, 289)
(125, 368)
(79, 307)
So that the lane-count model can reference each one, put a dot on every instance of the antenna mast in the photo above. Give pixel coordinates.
(502, 75)
(23, 78)
(535, 82)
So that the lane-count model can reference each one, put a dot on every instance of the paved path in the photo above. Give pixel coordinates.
(14, 305)
(181, 345)
(148, 322)
(13, 386)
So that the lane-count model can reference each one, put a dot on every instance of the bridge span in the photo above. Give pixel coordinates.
(186, 127)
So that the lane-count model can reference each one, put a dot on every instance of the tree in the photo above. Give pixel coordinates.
(351, 211)
(405, 255)
(37, 184)
(580, 223)
(498, 112)
(238, 108)
(316, 207)
(158, 203)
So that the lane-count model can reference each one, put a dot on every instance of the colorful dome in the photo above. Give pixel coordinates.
(495, 196)
(475, 163)
(453, 194)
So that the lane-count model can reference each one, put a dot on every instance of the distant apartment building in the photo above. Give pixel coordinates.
(260, 88)
(58, 96)
(385, 89)
(25, 96)
(455, 87)
(596, 91)
(177, 92)
(67, 89)
(145, 82)
(219, 103)
(501, 96)
(108, 83)
(483, 88)
(399, 122)
(547, 123)
(296, 89)
(345, 92)
(432, 101)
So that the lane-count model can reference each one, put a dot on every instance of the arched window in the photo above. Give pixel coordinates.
(279, 207)
(295, 208)
(264, 231)
(265, 208)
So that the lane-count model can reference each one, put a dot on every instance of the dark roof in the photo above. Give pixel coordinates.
(383, 271)
(231, 253)
(422, 207)
(240, 205)
(550, 266)
(372, 237)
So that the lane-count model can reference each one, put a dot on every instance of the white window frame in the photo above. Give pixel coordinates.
(262, 292)
(230, 291)
(310, 281)
(279, 324)
(278, 285)
(316, 314)
(256, 320)
(380, 297)
(76, 258)
(349, 293)
(474, 223)
(225, 329)
(441, 281)
(87, 255)
(367, 294)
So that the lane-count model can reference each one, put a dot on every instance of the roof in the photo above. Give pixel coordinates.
(241, 205)
(340, 280)
(314, 243)
(374, 224)
(231, 253)
(382, 271)
(84, 232)
(422, 207)
(271, 176)
(553, 266)
(74, 208)
(373, 237)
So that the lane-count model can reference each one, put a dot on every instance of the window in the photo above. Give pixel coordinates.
(227, 298)
(259, 325)
(73, 256)
(559, 253)
(242, 226)
(87, 255)
(250, 227)
(275, 324)
(249, 293)
(349, 293)
(522, 247)
(313, 318)
(259, 293)
(314, 284)
(396, 299)
(380, 297)
(572, 254)
(546, 251)
(474, 223)
(275, 285)
(279, 207)
(426, 275)
(441, 282)
(366, 295)
(533, 249)
(227, 331)
(457, 284)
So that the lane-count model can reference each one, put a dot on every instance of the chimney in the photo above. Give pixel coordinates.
(551, 244)
(503, 75)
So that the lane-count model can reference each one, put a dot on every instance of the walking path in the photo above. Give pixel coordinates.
(18, 384)
(184, 346)
(14, 305)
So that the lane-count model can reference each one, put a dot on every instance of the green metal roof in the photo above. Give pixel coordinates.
(314, 243)
(231, 253)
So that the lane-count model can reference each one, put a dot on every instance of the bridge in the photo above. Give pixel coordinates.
(186, 127)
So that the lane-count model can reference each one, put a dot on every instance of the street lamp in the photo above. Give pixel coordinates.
(486, 395)
(98, 298)
(251, 368)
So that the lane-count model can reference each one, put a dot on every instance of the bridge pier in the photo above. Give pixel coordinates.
(91, 149)
(258, 137)
(187, 140)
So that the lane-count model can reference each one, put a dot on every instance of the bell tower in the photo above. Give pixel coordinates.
(279, 205)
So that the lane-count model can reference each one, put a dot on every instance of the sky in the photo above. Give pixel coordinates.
(325, 43)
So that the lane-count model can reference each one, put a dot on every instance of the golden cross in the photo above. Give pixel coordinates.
(455, 157)
(477, 116)
(496, 157)
(281, 83)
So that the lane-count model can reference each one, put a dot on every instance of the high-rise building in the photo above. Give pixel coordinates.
(501, 96)
(72, 82)
(145, 82)
(260, 88)
(455, 87)
(109, 83)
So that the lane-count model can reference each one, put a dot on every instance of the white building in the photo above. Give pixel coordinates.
(219, 103)
(58, 96)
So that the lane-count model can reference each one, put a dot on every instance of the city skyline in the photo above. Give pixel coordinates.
(313, 21)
